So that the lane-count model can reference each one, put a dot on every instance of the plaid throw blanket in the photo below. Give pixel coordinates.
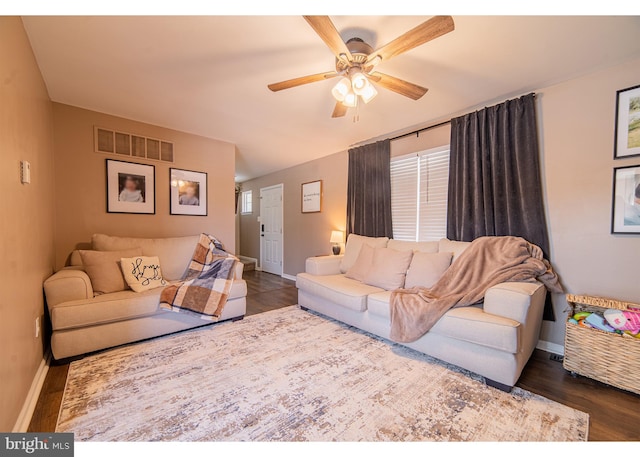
(204, 289)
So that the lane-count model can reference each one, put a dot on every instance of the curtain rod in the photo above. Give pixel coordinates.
(424, 129)
(417, 132)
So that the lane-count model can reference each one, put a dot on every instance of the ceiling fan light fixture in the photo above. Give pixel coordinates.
(368, 93)
(350, 100)
(341, 89)
(359, 81)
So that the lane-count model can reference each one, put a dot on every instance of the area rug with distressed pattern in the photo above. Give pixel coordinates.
(290, 375)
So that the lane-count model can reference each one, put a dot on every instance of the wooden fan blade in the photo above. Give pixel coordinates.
(288, 84)
(340, 110)
(398, 85)
(329, 34)
(427, 31)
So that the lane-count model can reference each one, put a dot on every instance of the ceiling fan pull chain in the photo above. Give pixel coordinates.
(356, 116)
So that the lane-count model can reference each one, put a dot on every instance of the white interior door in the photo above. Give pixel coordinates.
(271, 229)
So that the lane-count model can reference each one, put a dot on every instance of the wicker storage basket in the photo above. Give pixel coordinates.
(606, 357)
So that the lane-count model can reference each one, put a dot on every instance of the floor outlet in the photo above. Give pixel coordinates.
(37, 327)
(557, 358)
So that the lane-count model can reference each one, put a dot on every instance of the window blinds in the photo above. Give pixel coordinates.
(419, 187)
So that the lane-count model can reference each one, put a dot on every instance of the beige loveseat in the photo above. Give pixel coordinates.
(85, 323)
(494, 339)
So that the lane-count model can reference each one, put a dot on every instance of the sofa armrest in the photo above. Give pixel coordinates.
(66, 285)
(519, 301)
(239, 270)
(324, 265)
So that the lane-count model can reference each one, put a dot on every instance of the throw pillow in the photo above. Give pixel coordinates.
(388, 268)
(427, 268)
(353, 246)
(457, 247)
(142, 273)
(103, 269)
(360, 269)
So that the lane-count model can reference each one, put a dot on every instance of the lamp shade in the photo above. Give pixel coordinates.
(341, 89)
(368, 93)
(336, 236)
(350, 100)
(359, 81)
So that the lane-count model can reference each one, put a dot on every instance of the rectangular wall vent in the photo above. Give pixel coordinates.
(123, 144)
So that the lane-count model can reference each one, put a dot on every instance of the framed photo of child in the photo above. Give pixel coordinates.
(131, 187)
(188, 192)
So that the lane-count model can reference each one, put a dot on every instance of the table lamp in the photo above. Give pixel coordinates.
(336, 239)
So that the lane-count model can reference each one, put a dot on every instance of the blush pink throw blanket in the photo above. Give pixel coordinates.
(486, 262)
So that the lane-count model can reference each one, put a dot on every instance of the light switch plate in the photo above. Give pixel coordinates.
(25, 172)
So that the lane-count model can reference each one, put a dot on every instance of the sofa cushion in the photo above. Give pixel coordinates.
(416, 246)
(388, 268)
(427, 268)
(469, 323)
(103, 268)
(118, 306)
(361, 267)
(378, 304)
(338, 289)
(352, 248)
(142, 273)
(174, 253)
(74, 259)
(457, 247)
(473, 325)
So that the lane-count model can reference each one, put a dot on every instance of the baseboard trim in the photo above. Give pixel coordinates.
(250, 259)
(289, 277)
(29, 406)
(548, 346)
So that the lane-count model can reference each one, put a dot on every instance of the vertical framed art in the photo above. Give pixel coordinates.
(312, 197)
(625, 214)
(188, 192)
(627, 137)
(131, 188)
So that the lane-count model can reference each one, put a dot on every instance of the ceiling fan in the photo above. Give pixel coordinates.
(356, 62)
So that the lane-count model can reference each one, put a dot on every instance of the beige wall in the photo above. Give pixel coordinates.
(305, 235)
(80, 183)
(576, 120)
(26, 133)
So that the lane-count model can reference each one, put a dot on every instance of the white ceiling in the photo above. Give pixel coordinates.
(209, 75)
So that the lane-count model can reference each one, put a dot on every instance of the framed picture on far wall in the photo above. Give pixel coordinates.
(312, 197)
(131, 188)
(626, 200)
(627, 123)
(188, 192)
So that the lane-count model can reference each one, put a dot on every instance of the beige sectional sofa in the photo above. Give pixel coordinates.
(494, 339)
(85, 323)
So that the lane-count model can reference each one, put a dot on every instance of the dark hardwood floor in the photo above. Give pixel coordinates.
(614, 414)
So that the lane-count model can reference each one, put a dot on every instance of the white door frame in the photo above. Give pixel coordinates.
(275, 186)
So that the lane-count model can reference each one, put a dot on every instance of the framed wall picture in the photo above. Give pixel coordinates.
(625, 217)
(188, 192)
(131, 187)
(627, 142)
(312, 197)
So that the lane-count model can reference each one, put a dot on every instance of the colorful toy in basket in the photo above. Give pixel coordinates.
(597, 321)
(623, 320)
